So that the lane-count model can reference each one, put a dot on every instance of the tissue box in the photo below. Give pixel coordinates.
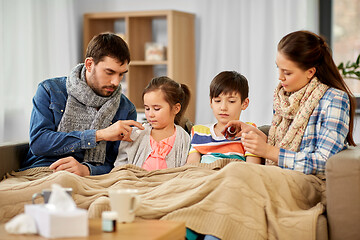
(57, 224)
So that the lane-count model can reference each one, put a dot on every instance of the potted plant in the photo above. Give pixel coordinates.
(351, 74)
(350, 69)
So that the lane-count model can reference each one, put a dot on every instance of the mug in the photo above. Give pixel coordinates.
(45, 194)
(124, 202)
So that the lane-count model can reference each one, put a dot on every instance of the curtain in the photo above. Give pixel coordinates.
(243, 36)
(236, 35)
(38, 41)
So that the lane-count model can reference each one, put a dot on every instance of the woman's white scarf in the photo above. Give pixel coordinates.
(86, 110)
(291, 114)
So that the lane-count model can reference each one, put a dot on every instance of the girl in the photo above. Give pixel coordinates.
(313, 108)
(163, 143)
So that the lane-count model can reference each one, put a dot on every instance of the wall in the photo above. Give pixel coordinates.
(230, 35)
(43, 38)
(217, 23)
(356, 133)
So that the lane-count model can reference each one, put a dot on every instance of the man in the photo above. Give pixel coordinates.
(77, 121)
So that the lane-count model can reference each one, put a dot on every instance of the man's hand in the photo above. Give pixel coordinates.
(70, 164)
(120, 130)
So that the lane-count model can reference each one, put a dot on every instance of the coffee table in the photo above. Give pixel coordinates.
(138, 230)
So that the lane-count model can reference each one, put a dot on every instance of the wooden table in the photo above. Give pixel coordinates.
(138, 230)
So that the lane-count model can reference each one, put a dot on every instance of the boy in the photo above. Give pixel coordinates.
(228, 97)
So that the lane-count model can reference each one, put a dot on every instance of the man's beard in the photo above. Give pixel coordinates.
(101, 91)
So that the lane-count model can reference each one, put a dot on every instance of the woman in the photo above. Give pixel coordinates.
(313, 108)
(313, 119)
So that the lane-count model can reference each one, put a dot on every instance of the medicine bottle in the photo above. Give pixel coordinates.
(230, 133)
(109, 221)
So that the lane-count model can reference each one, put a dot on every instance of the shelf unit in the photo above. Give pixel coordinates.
(174, 29)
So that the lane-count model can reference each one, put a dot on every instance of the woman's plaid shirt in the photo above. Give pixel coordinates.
(324, 135)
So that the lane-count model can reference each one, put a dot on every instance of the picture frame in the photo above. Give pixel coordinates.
(155, 51)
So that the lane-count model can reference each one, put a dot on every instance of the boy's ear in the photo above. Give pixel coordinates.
(177, 108)
(245, 104)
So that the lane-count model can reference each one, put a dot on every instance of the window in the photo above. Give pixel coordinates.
(346, 36)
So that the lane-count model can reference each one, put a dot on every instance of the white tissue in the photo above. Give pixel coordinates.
(60, 200)
(21, 224)
(135, 132)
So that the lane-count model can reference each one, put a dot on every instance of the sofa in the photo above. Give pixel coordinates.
(341, 219)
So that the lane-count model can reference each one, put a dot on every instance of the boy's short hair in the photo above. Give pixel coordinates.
(229, 82)
(108, 45)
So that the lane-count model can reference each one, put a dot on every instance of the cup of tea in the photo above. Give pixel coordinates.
(45, 194)
(125, 202)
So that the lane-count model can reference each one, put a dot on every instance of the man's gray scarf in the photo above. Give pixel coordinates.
(86, 110)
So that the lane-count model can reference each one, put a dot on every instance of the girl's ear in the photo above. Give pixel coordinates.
(176, 108)
(245, 104)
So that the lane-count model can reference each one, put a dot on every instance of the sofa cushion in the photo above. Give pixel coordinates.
(343, 194)
(11, 155)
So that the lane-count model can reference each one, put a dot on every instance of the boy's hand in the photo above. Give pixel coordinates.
(194, 157)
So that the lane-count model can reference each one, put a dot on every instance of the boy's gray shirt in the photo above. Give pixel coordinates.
(138, 151)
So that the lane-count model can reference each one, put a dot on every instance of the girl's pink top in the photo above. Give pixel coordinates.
(156, 159)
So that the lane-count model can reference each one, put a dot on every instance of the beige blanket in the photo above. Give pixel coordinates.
(233, 200)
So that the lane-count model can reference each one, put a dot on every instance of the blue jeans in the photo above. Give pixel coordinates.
(211, 237)
(192, 235)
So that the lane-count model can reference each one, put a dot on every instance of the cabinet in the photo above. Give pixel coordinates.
(174, 29)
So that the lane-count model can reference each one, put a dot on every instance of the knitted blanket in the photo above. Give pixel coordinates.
(230, 200)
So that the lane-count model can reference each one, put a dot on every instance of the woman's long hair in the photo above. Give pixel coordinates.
(309, 50)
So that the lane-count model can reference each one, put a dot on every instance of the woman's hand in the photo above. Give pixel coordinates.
(240, 127)
(256, 144)
(237, 127)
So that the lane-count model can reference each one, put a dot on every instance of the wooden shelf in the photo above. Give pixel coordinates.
(141, 27)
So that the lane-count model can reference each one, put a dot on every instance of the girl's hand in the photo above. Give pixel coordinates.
(256, 144)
